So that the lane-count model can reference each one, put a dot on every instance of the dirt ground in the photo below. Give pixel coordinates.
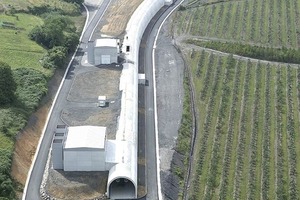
(76, 185)
(170, 94)
(82, 108)
(116, 17)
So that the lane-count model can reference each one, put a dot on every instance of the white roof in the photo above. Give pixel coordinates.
(106, 42)
(85, 137)
(102, 98)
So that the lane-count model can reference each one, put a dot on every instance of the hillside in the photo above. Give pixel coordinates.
(247, 103)
(24, 57)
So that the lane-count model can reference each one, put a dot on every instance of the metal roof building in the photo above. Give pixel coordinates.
(103, 51)
(84, 149)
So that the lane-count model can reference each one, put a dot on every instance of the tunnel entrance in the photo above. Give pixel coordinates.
(122, 188)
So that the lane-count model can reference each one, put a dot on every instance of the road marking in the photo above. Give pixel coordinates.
(99, 20)
(171, 62)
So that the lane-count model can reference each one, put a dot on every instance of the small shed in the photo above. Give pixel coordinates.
(103, 51)
(84, 149)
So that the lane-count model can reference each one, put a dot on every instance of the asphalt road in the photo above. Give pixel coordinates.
(36, 176)
(146, 66)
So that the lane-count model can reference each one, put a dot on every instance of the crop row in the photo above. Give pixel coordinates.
(280, 97)
(253, 19)
(208, 77)
(290, 24)
(226, 21)
(247, 142)
(235, 20)
(265, 22)
(252, 187)
(297, 24)
(209, 18)
(262, 21)
(208, 123)
(200, 65)
(230, 134)
(242, 133)
(291, 133)
(220, 128)
(266, 138)
(270, 20)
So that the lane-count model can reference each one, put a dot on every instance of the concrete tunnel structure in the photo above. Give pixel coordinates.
(121, 154)
(128, 121)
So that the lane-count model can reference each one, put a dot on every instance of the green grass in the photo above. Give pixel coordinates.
(254, 22)
(15, 46)
(254, 127)
(254, 157)
(23, 4)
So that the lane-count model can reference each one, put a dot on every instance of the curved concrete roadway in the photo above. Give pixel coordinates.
(32, 187)
(146, 65)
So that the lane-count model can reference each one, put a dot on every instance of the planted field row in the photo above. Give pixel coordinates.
(272, 23)
(246, 146)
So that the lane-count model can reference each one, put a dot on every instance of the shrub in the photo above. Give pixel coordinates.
(32, 86)
(55, 57)
(7, 84)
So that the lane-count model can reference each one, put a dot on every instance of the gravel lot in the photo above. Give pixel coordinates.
(80, 108)
(169, 78)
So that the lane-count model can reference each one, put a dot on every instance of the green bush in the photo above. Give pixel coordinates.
(54, 32)
(32, 86)
(55, 57)
(7, 84)
(6, 185)
(71, 42)
(263, 53)
(74, 1)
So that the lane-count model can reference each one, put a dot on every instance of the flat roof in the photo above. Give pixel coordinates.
(85, 137)
(106, 42)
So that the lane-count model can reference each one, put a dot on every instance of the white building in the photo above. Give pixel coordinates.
(84, 149)
(103, 51)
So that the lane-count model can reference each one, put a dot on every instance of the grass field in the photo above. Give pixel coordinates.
(273, 23)
(16, 48)
(248, 144)
(23, 4)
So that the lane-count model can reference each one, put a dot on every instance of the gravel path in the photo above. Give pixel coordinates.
(169, 77)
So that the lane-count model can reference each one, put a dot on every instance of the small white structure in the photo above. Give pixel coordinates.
(142, 79)
(101, 101)
(84, 149)
(103, 51)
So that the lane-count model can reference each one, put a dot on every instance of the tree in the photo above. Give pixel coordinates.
(7, 84)
(74, 1)
(55, 57)
(71, 41)
(52, 32)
